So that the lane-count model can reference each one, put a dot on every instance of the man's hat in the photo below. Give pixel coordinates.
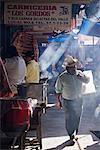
(69, 61)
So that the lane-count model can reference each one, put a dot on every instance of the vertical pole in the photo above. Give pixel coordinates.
(93, 40)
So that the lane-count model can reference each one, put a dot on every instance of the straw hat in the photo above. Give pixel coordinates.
(69, 61)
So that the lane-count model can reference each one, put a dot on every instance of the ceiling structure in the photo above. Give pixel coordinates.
(39, 34)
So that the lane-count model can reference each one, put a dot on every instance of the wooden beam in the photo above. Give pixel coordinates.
(49, 1)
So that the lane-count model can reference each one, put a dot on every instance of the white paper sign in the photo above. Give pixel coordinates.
(44, 14)
(89, 88)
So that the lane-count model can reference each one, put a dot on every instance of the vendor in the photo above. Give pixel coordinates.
(15, 67)
(33, 70)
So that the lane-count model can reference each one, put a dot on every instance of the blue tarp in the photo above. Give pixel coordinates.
(87, 28)
(58, 38)
(90, 28)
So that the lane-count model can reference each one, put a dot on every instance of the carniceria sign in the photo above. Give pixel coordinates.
(49, 14)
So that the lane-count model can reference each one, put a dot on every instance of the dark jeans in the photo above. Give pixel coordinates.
(73, 111)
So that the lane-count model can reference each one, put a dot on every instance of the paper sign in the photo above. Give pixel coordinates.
(89, 87)
(51, 15)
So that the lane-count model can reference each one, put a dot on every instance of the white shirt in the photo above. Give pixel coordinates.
(70, 86)
(16, 70)
(22, 70)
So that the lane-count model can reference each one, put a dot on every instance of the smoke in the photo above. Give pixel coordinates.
(97, 111)
(92, 10)
(46, 59)
(53, 53)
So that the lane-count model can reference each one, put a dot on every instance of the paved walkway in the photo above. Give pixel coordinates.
(53, 127)
(54, 133)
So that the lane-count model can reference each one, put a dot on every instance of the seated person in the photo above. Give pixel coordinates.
(33, 70)
(15, 67)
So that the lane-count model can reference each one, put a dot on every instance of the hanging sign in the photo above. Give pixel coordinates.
(38, 15)
(89, 88)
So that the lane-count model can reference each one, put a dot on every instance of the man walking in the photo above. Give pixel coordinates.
(68, 86)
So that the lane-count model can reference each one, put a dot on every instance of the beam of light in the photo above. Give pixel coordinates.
(46, 58)
(61, 50)
(89, 32)
(93, 10)
(53, 53)
(86, 26)
(96, 17)
(91, 25)
(59, 38)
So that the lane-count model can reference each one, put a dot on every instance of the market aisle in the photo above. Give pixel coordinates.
(54, 133)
